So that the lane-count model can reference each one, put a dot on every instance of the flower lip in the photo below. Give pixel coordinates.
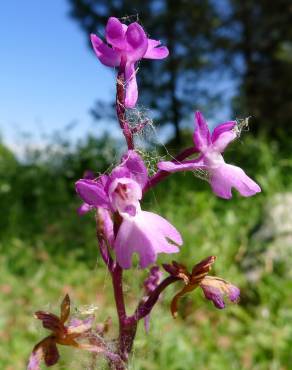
(125, 194)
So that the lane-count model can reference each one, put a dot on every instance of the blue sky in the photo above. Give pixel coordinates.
(48, 77)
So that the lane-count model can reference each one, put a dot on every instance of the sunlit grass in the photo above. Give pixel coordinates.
(62, 257)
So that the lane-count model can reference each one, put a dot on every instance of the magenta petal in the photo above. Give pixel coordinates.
(216, 289)
(222, 127)
(154, 52)
(117, 173)
(105, 54)
(115, 33)
(153, 279)
(107, 224)
(202, 138)
(223, 140)
(132, 239)
(214, 294)
(131, 86)
(147, 235)
(134, 163)
(165, 229)
(77, 326)
(190, 165)
(223, 135)
(225, 177)
(35, 359)
(83, 209)
(137, 42)
(233, 293)
(92, 192)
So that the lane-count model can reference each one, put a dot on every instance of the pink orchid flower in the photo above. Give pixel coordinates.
(141, 232)
(129, 44)
(222, 176)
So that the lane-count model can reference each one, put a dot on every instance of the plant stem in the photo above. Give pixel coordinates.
(121, 111)
(127, 329)
(117, 276)
(145, 308)
(161, 175)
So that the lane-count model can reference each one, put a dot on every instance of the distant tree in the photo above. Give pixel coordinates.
(172, 88)
(255, 38)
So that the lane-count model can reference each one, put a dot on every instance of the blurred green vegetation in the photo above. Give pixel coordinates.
(47, 250)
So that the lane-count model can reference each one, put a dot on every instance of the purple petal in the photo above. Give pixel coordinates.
(190, 165)
(118, 172)
(131, 86)
(214, 294)
(215, 289)
(77, 326)
(115, 33)
(225, 177)
(92, 192)
(83, 209)
(105, 54)
(234, 293)
(154, 52)
(202, 138)
(106, 224)
(36, 357)
(124, 194)
(134, 163)
(222, 127)
(152, 44)
(137, 42)
(153, 279)
(223, 135)
(146, 234)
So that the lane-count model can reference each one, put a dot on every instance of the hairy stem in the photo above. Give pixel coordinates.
(117, 280)
(127, 329)
(145, 308)
(161, 175)
(121, 111)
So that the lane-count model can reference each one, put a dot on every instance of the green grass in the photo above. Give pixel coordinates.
(61, 257)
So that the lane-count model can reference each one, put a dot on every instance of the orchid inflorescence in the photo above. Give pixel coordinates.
(123, 228)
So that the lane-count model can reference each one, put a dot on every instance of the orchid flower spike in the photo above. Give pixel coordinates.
(222, 176)
(119, 194)
(129, 44)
